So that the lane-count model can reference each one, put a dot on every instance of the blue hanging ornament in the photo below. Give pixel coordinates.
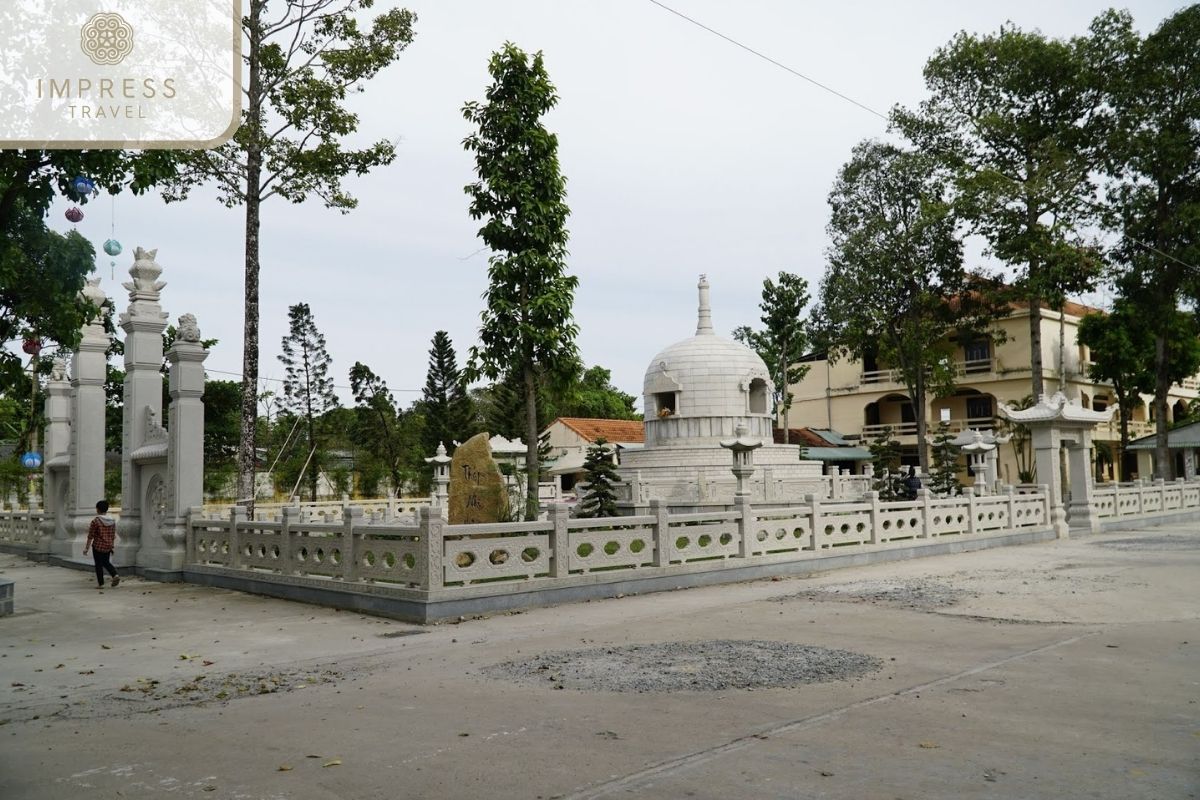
(112, 247)
(83, 186)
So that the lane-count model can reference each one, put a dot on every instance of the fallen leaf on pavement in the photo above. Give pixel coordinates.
(337, 762)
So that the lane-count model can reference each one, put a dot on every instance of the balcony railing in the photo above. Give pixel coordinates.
(910, 428)
(961, 368)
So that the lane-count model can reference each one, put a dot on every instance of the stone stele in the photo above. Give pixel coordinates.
(477, 492)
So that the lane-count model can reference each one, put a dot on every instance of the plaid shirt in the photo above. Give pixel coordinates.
(101, 536)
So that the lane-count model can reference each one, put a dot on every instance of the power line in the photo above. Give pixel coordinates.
(768, 59)
(851, 100)
(280, 380)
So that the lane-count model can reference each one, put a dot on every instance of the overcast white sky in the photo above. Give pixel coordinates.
(683, 155)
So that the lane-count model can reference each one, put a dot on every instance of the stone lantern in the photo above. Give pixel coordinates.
(441, 475)
(743, 449)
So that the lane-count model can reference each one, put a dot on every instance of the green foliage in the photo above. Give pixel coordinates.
(527, 331)
(1013, 116)
(390, 439)
(222, 408)
(783, 340)
(599, 498)
(449, 411)
(1021, 439)
(1122, 350)
(885, 460)
(307, 384)
(943, 478)
(592, 396)
(1151, 120)
(895, 286)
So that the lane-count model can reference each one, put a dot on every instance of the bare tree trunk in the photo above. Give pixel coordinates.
(783, 371)
(1162, 386)
(249, 423)
(1035, 303)
(922, 423)
(531, 444)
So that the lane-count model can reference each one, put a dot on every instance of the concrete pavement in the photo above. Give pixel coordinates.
(1065, 669)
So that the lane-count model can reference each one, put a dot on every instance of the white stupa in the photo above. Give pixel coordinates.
(696, 393)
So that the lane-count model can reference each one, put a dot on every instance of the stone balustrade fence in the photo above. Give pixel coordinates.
(433, 561)
(1145, 498)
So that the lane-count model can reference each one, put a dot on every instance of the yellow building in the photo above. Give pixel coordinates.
(860, 398)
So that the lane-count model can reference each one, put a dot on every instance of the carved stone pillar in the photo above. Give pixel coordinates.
(143, 322)
(163, 556)
(86, 476)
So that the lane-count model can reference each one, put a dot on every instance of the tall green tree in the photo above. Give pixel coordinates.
(943, 477)
(599, 498)
(593, 396)
(303, 60)
(307, 384)
(378, 428)
(1013, 114)
(527, 329)
(1122, 351)
(1151, 89)
(784, 338)
(449, 410)
(895, 284)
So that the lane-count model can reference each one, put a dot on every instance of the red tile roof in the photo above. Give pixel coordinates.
(612, 430)
(801, 436)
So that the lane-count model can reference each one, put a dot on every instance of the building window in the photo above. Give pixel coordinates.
(906, 412)
(758, 396)
(978, 356)
(979, 408)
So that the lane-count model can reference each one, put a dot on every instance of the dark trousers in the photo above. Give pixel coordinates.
(103, 563)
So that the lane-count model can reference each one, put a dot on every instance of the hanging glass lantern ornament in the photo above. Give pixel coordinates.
(112, 247)
(74, 214)
(32, 345)
(83, 186)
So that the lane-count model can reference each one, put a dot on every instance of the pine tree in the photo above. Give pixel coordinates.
(885, 458)
(943, 480)
(449, 410)
(307, 387)
(599, 498)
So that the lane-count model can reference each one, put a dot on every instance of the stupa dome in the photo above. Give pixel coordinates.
(700, 388)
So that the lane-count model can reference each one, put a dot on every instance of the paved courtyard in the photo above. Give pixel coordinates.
(1067, 669)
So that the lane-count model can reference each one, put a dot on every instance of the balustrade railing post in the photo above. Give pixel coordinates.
(662, 533)
(1141, 496)
(560, 542)
(193, 514)
(746, 526)
(876, 516)
(237, 517)
(1011, 497)
(971, 521)
(433, 529)
(352, 517)
(926, 500)
(814, 507)
(289, 516)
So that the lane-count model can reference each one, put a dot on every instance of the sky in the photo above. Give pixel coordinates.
(683, 155)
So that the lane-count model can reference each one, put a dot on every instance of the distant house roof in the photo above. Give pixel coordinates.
(837, 453)
(1180, 438)
(626, 431)
(812, 437)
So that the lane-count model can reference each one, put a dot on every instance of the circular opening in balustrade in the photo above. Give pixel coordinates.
(705, 666)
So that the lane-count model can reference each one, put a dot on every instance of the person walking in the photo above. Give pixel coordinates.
(101, 538)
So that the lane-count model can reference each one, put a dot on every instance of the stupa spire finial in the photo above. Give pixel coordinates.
(704, 320)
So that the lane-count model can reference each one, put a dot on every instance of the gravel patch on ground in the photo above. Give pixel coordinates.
(916, 593)
(705, 666)
(148, 694)
(1152, 543)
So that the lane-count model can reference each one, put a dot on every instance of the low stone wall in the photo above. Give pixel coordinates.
(20, 530)
(1145, 499)
(436, 571)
